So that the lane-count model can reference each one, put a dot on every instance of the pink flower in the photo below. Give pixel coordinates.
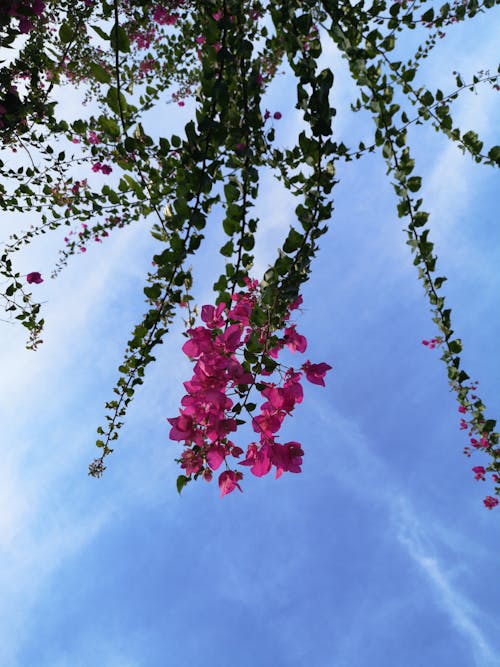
(315, 373)
(106, 169)
(38, 6)
(287, 457)
(217, 16)
(462, 409)
(215, 456)
(183, 428)
(296, 304)
(212, 315)
(490, 502)
(96, 167)
(25, 24)
(294, 340)
(277, 115)
(191, 462)
(258, 459)
(161, 16)
(479, 472)
(228, 482)
(94, 138)
(201, 39)
(34, 277)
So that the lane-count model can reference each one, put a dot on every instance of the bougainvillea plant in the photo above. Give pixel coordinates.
(221, 56)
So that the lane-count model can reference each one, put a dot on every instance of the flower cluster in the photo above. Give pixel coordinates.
(23, 10)
(479, 438)
(34, 278)
(103, 168)
(209, 415)
(433, 342)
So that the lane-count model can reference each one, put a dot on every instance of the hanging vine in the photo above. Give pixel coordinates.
(221, 56)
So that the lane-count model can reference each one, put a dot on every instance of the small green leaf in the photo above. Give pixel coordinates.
(119, 39)
(293, 241)
(100, 32)
(99, 73)
(455, 346)
(182, 480)
(66, 34)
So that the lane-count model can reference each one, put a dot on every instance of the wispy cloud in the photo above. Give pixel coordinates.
(462, 612)
(374, 481)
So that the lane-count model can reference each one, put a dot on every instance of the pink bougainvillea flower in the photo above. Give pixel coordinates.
(315, 373)
(228, 482)
(162, 16)
(183, 428)
(212, 316)
(106, 169)
(296, 304)
(217, 16)
(25, 24)
(37, 7)
(490, 502)
(295, 341)
(230, 339)
(257, 459)
(215, 456)
(94, 138)
(34, 277)
(277, 115)
(287, 457)
(96, 167)
(479, 472)
(191, 462)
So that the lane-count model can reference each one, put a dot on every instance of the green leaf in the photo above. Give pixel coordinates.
(100, 32)
(153, 291)
(119, 39)
(414, 183)
(293, 241)
(66, 34)
(494, 154)
(99, 73)
(114, 101)
(182, 480)
(227, 249)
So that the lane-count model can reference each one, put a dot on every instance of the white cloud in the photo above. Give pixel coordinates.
(461, 610)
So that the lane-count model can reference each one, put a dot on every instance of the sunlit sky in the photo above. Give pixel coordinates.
(380, 553)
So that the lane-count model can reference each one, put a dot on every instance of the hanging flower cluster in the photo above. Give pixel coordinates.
(22, 10)
(209, 415)
(479, 436)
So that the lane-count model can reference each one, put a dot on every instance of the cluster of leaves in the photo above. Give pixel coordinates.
(130, 57)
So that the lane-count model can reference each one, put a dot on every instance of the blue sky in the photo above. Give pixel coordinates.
(379, 553)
